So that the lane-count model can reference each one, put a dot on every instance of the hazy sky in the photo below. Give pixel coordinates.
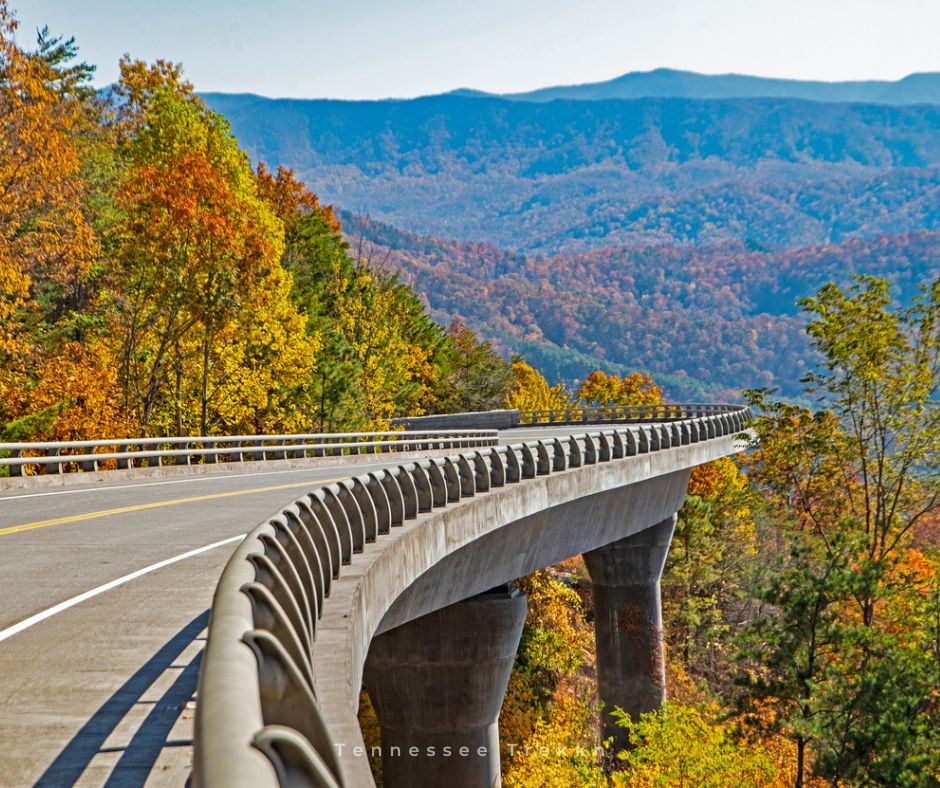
(378, 48)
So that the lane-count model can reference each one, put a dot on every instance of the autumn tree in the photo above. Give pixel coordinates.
(600, 389)
(844, 489)
(530, 391)
(707, 580)
(690, 745)
(196, 273)
(548, 723)
(880, 376)
(46, 244)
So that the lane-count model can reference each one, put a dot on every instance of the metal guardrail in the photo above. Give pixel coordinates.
(258, 721)
(78, 456)
(609, 414)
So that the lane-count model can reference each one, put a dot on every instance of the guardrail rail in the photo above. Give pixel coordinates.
(609, 414)
(258, 720)
(85, 456)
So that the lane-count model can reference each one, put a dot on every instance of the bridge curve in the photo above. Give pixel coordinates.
(310, 591)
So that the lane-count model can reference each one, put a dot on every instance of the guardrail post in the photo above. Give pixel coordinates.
(17, 470)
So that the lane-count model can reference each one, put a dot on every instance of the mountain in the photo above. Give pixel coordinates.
(570, 176)
(705, 321)
(671, 235)
(670, 83)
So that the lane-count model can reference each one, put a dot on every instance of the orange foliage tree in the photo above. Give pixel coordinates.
(46, 244)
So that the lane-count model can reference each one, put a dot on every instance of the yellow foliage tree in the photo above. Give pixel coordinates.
(530, 391)
(548, 723)
(259, 362)
(688, 746)
(600, 389)
(370, 318)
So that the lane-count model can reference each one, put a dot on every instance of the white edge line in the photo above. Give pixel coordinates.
(75, 600)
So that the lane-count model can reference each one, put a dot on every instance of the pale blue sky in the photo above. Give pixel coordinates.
(378, 48)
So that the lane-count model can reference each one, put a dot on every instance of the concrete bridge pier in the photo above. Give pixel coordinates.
(437, 684)
(628, 624)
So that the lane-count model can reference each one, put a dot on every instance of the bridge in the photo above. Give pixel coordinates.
(393, 570)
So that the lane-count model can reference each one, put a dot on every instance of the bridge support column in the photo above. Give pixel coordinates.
(628, 623)
(437, 684)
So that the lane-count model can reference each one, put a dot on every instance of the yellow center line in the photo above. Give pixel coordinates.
(74, 518)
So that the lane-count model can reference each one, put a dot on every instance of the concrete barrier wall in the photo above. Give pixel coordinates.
(486, 420)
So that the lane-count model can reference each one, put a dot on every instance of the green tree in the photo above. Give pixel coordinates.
(844, 489)
(880, 376)
(475, 377)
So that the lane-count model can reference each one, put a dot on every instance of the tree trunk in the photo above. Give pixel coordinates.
(204, 393)
(800, 767)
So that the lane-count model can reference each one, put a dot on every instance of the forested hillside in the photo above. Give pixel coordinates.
(153, 282)
(706, 321)
(570, 176)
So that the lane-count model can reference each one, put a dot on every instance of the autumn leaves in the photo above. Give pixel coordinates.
(153, 282)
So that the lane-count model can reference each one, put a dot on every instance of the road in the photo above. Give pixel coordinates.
(105, 597)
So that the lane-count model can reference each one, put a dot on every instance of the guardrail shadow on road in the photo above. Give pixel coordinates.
(148, 740)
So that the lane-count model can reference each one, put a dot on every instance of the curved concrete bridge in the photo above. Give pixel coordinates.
(108, 579)
(400, 580)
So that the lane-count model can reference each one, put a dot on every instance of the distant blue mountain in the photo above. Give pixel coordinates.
(568, 176)
(670, 83)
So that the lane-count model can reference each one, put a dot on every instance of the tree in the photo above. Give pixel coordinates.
(530, 391)
(196, 273)
(844, 490)
(600, 389)
(707, 579)
(380, 355)
(880, 376)
(548, 723)
(685, 745)
(46, 243)
(475, 377)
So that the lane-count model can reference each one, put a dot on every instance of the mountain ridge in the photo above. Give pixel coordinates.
(921, 87)
(915, 88)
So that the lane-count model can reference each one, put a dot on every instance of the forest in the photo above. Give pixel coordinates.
(154, 281)
(706, 321)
